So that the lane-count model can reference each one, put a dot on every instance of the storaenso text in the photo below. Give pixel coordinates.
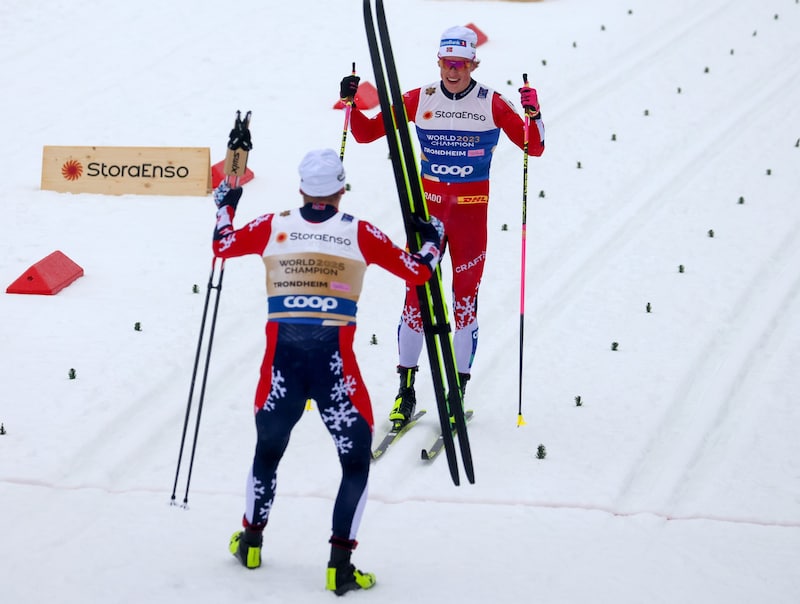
(136, 170)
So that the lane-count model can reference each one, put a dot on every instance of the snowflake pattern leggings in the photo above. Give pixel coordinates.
(466, 239)
(316, 362)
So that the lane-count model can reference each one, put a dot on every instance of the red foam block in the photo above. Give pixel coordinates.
(218, 174)
(366, 97)
(482, 38)
(48, 276)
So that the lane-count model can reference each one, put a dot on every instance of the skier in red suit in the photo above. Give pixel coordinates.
(458, 123)
(315, 258)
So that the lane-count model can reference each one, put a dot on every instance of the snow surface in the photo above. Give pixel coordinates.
(676, 480)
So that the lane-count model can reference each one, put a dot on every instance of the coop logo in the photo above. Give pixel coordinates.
(72, 170)
(311, 302)
(462, 171)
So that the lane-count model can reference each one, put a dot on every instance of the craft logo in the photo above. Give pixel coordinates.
(72, 170)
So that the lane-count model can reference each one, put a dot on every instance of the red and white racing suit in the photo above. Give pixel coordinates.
(457, 136)
(315, 259)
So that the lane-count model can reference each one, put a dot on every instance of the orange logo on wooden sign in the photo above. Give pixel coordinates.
(72, 170)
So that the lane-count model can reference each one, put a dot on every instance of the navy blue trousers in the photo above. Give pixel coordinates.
(316, 362)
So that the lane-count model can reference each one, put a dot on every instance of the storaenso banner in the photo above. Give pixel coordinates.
(127, 170)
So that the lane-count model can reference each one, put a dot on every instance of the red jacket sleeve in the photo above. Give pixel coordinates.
(513, 125)
(378, 249)
(250, 239)
(367, 129)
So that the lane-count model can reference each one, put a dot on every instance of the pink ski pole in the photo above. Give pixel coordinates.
(520, 418)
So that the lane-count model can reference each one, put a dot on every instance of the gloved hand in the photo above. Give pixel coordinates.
(349, 87)
(529, 100)
(432, 234)
(224, 196)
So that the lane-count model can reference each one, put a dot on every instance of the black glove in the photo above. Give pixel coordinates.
(349, 87)
(239, 138)
(431, 230)
(432, 234)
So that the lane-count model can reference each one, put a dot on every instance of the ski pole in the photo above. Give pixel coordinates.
(239, 146)
(218, 288)
(348, 108)
(520, 419)
(194, 378)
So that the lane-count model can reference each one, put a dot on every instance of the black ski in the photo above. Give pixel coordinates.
(394, 434)
(438, 338)
(431, 452)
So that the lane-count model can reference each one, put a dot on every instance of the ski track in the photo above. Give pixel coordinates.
(680, 442)
(578, 263)
(665, 471)
(627, 62)
(681, 438)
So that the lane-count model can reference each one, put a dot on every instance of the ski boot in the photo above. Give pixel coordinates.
(342, 575)
(463, 378)
(246, 546)
(406, 400)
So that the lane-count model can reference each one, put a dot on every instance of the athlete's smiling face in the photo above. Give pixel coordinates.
(456, 73)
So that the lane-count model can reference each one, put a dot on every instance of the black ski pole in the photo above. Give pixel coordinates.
(239, 145)
(348, 109)
(192, 383)
(201, 398)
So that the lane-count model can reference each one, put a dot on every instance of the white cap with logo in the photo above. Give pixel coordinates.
(321, 173)
(459, 42)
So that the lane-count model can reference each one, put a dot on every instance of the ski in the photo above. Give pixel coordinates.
(394, 434)
(431, 452)
(438, 337)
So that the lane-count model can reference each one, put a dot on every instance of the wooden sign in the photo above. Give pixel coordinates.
(127, 170)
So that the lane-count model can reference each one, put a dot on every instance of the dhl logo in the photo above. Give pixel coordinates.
(472, 199)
